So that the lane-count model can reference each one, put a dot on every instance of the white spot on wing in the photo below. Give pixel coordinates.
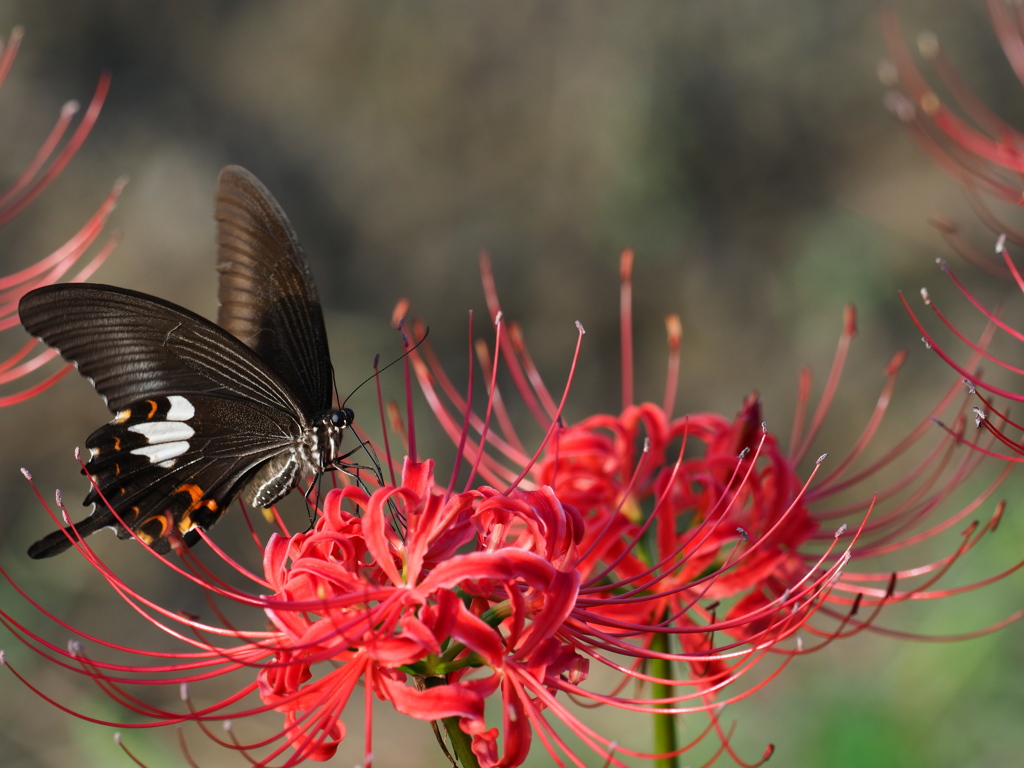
(181, 409)
(163, 452)
(167, 440)
(162, 431)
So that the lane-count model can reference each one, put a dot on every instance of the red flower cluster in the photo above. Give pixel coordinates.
(677, 552)
(687, 516)
(387, 595)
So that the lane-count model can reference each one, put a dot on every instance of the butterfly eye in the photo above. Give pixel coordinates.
(342, 418)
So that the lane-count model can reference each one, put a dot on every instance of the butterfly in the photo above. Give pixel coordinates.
(202, 413)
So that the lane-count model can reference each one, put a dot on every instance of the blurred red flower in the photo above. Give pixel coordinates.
(958, 131)
(51, 158)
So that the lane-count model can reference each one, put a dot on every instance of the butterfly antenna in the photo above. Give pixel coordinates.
(365, 445)
(377, 373)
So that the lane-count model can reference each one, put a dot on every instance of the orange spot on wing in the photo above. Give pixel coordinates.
(192, 490)
(157, 526)
(152, 408)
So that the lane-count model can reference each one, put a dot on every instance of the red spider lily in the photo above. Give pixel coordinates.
(727, 483)
(435, 601)
(957, 130)
(687, 514)
(51, 158)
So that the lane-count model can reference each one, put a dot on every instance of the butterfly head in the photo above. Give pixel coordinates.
(342, 418)
(329, 433)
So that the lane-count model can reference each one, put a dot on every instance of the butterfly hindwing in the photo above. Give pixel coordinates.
(267, 296)
(169, 464)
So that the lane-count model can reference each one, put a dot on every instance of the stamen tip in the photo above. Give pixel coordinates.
(674, 329)
(26, 473)
(183, 691)
(979, 416)
(887, 73)
(841, 530)
(580, 328)
(70, 108)
(930, 103)
(399, 312)
(928, 45)
(1001, 243)
(74, 649)
(59, 497)
(117, 738)
(78, 453)
(821, 459)
(626, 264)
(743, 534)
(498, 317)
(899, 105)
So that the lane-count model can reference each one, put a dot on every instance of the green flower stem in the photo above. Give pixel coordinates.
(460, 741)
(664, 725)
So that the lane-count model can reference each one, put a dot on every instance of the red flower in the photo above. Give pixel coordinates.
(707, 512)
(387, 594)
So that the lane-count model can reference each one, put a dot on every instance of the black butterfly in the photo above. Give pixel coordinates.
(201, 412)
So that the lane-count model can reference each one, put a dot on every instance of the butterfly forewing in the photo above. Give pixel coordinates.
(267, 296)
(133, 346)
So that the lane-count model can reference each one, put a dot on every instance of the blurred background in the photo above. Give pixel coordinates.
(741, 148)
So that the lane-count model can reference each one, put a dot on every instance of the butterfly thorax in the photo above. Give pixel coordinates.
(312, 454)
